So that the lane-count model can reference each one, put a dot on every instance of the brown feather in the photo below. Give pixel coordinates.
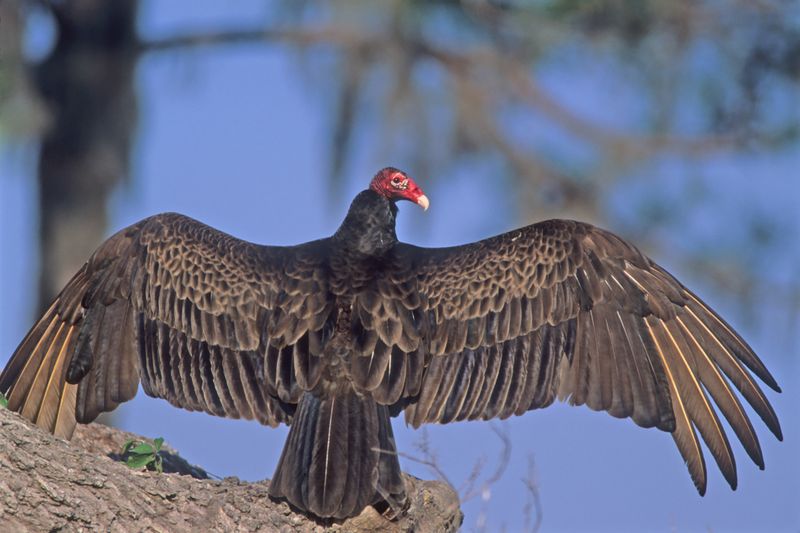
(453, 401)
(497, 399)
(390, 390)
(738, 375)
(65, 414)
(47, 414)
(33, 400)
(709, 375)
(368, 371)
(693, 397)
(622, 395)
(684, 434)
(733, 342)
(19, 375)
(476, 383)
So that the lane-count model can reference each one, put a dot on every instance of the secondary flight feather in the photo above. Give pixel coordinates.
(335, 336)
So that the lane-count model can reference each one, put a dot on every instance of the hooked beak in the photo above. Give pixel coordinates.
(423, 202)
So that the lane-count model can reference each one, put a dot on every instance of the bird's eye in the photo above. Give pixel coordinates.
(396, 182)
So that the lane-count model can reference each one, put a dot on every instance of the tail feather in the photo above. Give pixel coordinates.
(339, 457)
(330, 463)
(358, 420)
(391, 486)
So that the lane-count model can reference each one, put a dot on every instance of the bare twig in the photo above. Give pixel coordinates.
(534, 504)
(470, 488)
(467, 489)
(428, 458)
(337, 36)
(500, 469)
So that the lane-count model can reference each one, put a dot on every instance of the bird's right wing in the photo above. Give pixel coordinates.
(206, 321)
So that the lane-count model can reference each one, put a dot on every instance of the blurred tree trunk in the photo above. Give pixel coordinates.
(87, 84)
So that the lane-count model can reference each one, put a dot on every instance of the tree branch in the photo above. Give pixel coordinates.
(298, 36)
(47, 484)
(521, 84)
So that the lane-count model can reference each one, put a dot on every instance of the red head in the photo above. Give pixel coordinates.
(395, 185)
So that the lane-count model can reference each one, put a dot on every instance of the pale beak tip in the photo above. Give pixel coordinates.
(423, 202)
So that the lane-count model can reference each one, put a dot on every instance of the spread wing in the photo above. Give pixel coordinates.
(204, 320)
(562, 310)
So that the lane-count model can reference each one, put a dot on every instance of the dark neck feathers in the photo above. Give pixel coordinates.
(369, 227)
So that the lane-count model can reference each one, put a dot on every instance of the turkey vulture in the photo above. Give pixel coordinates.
(335, 336)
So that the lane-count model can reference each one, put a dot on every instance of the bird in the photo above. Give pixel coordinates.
(337, 336)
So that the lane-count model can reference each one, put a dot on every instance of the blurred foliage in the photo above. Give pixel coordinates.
(571, 102)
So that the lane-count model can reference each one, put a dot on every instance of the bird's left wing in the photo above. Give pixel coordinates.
(558, 309)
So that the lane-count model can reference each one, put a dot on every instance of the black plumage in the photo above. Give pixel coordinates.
(333, 336)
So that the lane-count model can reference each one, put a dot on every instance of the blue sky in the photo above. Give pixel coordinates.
(237, 139)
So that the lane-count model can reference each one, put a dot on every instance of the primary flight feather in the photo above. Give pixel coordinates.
(335, 336)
